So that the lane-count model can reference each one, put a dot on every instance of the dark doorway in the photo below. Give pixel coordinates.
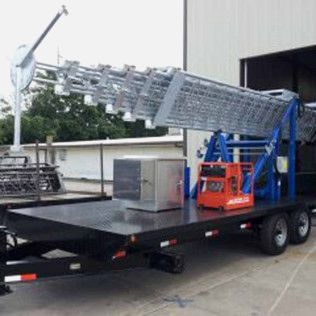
(293, 70)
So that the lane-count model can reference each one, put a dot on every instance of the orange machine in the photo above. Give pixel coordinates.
(220, 185)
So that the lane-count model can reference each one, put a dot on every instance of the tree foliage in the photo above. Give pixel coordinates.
(67, 118)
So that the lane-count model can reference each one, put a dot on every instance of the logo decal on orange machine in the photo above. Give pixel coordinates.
(239, 200)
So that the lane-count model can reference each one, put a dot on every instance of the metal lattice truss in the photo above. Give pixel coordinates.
(174, 98)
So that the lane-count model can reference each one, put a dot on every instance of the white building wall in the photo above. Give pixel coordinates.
(84, 161)
(221, 32)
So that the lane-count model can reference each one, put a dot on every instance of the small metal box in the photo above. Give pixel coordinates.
(149, 184)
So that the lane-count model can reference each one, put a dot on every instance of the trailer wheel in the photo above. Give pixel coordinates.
(300, 226)
(274, 234)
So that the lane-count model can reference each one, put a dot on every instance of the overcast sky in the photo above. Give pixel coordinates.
(116, 32)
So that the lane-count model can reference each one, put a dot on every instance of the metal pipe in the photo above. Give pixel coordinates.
(28, 56)
(17, 113)
(43, 35)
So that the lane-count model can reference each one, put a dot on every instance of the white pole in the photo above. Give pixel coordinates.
(22, 65)
(17, 115)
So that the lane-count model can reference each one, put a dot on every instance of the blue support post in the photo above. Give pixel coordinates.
(257, 169)
(271, 178)
(290, 115)
(262, 193)
(187, 182)
(278, 179)
(210, 149)
(291, 153)
(223, 148)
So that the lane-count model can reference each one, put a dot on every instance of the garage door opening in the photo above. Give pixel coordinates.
(293, 70)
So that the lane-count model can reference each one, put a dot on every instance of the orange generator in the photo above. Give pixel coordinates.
(220, 185)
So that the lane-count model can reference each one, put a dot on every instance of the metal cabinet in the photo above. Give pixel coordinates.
(150, 184)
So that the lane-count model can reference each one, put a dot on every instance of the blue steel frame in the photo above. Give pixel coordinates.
(219, 144)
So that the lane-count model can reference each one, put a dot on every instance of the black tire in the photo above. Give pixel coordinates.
(300, 226)
(274, 234)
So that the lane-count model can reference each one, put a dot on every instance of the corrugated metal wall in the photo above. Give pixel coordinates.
(221, 32)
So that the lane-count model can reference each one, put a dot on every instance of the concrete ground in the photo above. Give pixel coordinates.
(227, 276)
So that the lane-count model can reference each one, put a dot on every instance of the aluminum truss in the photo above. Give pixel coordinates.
(174, 98)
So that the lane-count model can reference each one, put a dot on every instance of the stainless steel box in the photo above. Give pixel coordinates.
(149, 184)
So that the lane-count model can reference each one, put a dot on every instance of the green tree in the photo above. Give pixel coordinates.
(6, 122)
(67, 118)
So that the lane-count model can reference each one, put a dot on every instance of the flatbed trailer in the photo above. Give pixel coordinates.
(99, 236)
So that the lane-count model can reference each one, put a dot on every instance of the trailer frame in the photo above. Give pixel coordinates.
(92, 250)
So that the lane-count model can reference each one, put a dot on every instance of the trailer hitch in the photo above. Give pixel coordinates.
(167, 261)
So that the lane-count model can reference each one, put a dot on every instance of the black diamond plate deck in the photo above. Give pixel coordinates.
(114, 218)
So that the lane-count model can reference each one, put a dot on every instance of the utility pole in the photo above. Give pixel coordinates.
(22, 71)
